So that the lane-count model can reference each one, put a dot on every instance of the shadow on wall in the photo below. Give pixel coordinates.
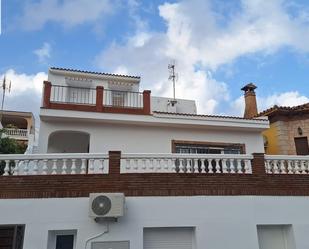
(68, 142)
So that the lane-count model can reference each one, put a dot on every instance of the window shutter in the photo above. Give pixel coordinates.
(168, 238)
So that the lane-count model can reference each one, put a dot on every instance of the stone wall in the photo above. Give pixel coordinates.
(286, 131)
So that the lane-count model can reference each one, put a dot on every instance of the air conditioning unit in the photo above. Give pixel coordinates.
(106, 205)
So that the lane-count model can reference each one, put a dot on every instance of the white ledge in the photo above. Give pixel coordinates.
(157, 120)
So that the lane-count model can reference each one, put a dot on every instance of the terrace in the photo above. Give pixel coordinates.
(18, 134)
(95, 99)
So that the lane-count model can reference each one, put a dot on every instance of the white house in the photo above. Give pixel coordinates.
(71, 122)
(118, 168)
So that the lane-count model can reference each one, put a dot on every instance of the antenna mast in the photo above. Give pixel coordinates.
(6, 86)
(172, 77)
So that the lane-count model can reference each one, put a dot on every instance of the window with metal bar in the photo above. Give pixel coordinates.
(12, 236)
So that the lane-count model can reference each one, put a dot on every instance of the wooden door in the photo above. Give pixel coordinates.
(301, 145)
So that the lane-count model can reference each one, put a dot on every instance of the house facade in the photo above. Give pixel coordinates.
(171, 177)
(289, 126)
(132, 121)
(289, 130)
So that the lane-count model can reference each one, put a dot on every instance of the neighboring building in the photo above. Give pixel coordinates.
(18, 125)
(289, 130)
(289, 126)
(164, 176)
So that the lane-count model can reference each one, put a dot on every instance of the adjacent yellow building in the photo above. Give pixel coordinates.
(289, 130)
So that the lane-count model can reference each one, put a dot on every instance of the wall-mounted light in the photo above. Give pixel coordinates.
(300, 131)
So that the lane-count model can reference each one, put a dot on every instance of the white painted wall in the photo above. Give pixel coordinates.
(147, 139)
(220, 222)
(83, 88)
(88, 81)
(182, 106)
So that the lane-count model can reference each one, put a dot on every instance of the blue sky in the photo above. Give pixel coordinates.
(218, 46)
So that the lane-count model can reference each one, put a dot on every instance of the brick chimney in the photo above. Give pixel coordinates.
(250, 101)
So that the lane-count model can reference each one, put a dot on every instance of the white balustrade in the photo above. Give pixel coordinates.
(284, 164)
(47, 164)
(186, 163)
(16, 133)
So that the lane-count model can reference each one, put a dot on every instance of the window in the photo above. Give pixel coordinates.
(118, 98)
(301, 145)
(80, 95)
(190, 147)
(61, 239)
(12, 236)
(169, 238)
(64, 241)
(275, 237)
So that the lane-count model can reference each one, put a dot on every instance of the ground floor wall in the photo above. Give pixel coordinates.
(218, 222)
(146, 139)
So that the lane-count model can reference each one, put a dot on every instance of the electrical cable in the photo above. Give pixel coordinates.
(97, 236)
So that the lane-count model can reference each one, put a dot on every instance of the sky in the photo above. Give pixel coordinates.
(218, 46)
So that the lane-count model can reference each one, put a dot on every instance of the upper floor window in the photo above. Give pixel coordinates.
(118, 98)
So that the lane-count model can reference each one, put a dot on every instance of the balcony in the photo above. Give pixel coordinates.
(77, 175)
(18, 134)
(95, 99)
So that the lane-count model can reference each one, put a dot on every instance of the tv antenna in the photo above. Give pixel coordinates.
(173, 77)
(6, 86)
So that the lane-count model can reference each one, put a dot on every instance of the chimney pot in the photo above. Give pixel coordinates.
(250, 101)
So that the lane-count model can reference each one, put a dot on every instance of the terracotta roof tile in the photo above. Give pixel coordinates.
(91, 72)
(207, 116)
(288, 109)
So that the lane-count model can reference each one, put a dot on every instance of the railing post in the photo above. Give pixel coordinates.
(146, 101)
(99, 98)
(46, 94)
(114, 162)
(258, 164)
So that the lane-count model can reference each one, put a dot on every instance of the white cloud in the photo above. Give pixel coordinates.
(201, 40)
(282, 99)
(43, 53)
(68, 13)
(26, 91)
(259, 26)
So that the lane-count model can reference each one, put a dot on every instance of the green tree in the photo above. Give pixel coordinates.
(9, 146)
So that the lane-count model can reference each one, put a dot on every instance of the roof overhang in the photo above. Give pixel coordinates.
(198, 122)
(95, 75)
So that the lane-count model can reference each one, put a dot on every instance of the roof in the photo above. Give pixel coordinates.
(92, 72)
(208, 116)
(287, 110)
(160, 119)
(18, 113)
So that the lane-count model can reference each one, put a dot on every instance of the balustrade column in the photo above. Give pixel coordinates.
(99, 98)
(146, 102)
(258, 164)
(46, 94)
(114, 162)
